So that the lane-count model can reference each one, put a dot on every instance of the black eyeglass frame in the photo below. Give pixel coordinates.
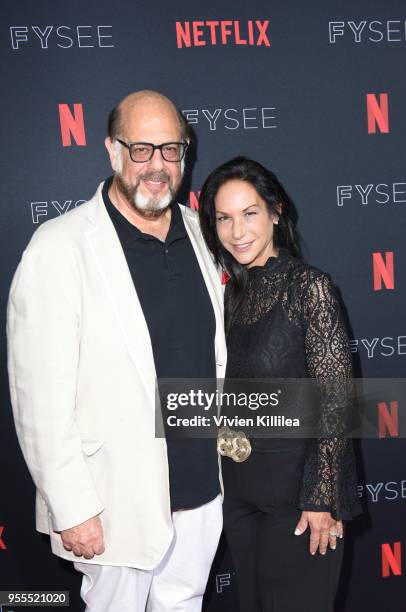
(128, 146)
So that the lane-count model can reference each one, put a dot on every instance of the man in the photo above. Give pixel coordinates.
(106, 299)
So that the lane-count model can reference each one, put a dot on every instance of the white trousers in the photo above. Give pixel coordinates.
(179, 581)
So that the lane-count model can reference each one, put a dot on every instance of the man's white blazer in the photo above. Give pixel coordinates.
(82, 380)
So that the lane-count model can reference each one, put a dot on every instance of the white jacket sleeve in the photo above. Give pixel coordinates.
(43, 331)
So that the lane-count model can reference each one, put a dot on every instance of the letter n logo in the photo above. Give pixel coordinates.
(378, 114)
(2, 545)
(194, 200)
(72, 126)
(384, 271)
(391, 560)
(388, 419)
(183, 35)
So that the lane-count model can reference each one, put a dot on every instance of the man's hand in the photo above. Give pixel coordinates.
(85, 539)
(324, 530)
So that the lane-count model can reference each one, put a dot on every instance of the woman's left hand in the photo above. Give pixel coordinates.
(324, 530)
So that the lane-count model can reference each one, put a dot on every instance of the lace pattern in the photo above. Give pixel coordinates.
(290, 325)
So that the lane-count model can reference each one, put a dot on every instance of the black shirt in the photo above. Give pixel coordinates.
(289, 325)
(181, 324)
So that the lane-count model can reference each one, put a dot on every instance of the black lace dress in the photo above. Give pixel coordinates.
(290, 326)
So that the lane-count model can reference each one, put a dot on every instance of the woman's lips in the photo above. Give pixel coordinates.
(241, 248)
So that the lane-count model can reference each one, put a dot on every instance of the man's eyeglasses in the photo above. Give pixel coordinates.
(143, 151)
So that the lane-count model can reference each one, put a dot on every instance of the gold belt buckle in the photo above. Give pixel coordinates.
(233, 444)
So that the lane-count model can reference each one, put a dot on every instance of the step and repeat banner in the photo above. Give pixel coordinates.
(316, 92)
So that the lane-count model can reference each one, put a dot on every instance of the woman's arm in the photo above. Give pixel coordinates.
(329, 479)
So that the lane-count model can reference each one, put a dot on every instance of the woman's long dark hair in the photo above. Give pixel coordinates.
(278, 202)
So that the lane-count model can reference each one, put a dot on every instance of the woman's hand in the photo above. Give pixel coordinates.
(324, 530)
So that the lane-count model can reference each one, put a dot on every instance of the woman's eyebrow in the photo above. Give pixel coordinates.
(219, 212)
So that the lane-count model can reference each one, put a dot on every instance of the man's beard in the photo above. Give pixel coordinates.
(148, 206)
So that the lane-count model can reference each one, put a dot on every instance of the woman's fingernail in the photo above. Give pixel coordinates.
(297, 531)
(323, 553)
(333, 547)
(313, 553)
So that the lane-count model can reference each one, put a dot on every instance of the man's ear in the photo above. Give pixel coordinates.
(114, 154)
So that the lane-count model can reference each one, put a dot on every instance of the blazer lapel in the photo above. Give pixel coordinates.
(112, 265)
(211, 277)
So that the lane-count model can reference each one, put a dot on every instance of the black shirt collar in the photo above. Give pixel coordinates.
(272, 263)
(129, 232)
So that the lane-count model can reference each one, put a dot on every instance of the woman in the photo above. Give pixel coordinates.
(287, 500)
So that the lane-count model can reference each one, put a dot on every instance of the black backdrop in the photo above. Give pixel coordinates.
(295, 97)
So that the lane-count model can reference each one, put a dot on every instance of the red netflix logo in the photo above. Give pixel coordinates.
(378, 113)
(2, 544)
(72, 125)
(226, 32)
(388, 419)
(391, 559)
(224, 278)
(383, 270)
(194, 200)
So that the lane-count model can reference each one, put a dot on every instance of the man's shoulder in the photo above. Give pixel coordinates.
(66, 220)
(59, 233)
(65, 228)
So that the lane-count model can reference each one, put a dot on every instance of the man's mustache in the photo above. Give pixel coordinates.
(155, 176)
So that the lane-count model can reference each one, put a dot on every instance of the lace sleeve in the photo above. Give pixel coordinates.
(329, 478)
